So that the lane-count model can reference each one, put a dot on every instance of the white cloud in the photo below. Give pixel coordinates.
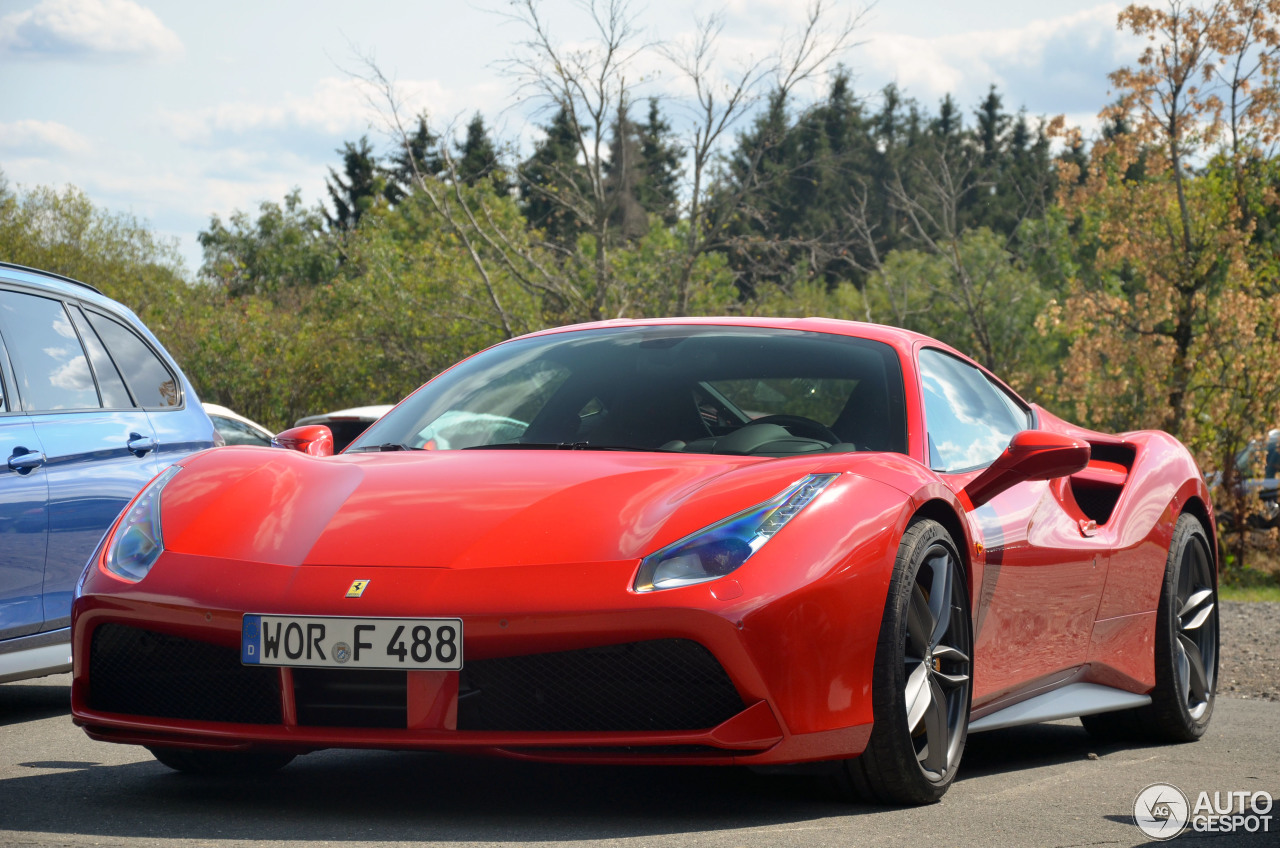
(40, 137)
(1054, 65)
(335, 106)
(764, 10)
(972, 454)
(1087, 121)
(93, 29)
(73, 374)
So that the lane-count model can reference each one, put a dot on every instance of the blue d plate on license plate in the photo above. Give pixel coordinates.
(345, 642)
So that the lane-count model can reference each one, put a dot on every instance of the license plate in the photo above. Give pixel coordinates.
(339, 642)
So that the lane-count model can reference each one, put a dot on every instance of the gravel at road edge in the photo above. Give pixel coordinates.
(1249, 655)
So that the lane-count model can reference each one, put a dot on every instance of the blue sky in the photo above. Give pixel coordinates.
(174, 111)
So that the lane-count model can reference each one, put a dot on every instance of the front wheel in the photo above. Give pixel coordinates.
(222, 763)
(922, 684)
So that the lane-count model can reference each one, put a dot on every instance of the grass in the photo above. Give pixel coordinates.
(1229, 592)
(1259, 578)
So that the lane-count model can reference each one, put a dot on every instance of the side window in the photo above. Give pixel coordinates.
(237, 433)
(969, 419)
(4, 395)
(49, 364)
(147, 376)
(114, 393)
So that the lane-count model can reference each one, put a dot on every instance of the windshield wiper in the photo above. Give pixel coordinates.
(386, 446)
(557, 446)
(534, 446)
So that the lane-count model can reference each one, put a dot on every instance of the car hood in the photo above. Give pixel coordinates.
(456, 509)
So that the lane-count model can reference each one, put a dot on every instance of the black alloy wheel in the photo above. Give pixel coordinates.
(1186, 637)
(1186, 649)
(923, 684)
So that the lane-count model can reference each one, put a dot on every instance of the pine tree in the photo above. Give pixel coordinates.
(660, 155)
(549, 179)
(991, 127)
(419, 156)
(624, 172)
(949, 123)
(359, 186)
(987, 165)
(478, 158)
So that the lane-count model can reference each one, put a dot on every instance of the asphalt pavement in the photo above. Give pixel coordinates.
(1046, 785)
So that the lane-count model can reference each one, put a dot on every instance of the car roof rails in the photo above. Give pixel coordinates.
(15, 266)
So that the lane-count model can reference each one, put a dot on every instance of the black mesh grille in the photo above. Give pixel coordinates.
(351, 697)
(666, 684)
(141, 672)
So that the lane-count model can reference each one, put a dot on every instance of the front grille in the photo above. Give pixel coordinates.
(142, 672)
(351, 697)
(664, 684)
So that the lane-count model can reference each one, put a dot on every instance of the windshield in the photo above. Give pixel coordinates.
(691, 389)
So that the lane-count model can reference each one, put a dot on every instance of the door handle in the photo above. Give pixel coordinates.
(24, 462)
(140, 445)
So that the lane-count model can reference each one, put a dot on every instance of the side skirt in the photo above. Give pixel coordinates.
(35, 656)
(1074, 699)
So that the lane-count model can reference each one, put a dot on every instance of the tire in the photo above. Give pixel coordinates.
(922, 684)
(1186, 649)
(221, 763)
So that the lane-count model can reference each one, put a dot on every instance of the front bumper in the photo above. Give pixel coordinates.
(729, 672)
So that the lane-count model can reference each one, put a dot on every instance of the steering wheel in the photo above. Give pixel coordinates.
(798, 425)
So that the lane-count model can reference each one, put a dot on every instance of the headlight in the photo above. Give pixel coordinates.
(715, 551)
(138, 540)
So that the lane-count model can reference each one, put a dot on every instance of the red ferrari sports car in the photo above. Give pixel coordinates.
(706, 541)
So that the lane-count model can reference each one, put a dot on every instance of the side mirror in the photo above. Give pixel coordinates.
(314, 440)
(1031, 455)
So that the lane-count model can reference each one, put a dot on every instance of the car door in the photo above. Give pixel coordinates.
(24, 515)
(179, 428)
(1043, 577)
(98, 445)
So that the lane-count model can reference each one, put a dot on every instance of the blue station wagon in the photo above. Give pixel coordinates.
(91, 408)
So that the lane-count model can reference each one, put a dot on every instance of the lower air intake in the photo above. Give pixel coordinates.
(664, 684)
(142, 672)
(350, 697)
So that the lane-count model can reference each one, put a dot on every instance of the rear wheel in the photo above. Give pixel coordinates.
(227, 763)
(1186, 649)
(922, 686)
(1186, 638)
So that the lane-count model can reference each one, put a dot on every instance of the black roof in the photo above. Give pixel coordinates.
(18, 267)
